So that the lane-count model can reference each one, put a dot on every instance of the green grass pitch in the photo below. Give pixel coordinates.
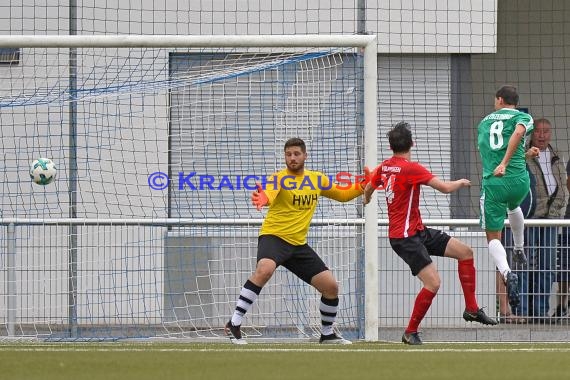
(393, 361)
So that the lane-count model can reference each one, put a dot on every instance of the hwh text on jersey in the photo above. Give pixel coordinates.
(304, 200)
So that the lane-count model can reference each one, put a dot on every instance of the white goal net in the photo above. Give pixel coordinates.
(147, 231)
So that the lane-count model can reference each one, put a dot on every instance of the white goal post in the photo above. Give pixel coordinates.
(91, 114)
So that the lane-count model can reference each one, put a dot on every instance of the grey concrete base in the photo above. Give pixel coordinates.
(499, 333)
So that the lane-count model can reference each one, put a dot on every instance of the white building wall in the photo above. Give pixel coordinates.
(402, 26)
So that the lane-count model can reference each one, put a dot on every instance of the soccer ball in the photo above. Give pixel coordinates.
(43, 171)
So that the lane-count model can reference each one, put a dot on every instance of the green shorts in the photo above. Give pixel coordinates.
(499, 194)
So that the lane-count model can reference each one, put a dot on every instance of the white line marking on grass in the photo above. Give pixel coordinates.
(304, 350)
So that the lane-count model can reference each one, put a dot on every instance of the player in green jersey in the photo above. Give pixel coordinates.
(505, 181)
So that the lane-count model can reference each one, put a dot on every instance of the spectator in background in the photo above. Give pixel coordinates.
(563, 276)
(551, 197)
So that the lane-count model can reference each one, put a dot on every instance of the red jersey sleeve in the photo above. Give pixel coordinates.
(418, 174)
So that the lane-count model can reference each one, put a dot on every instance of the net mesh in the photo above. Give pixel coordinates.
(179, 134)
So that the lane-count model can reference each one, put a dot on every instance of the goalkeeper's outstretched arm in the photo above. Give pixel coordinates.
(343, 194)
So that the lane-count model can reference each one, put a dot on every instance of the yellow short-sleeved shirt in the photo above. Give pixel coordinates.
(293, 200)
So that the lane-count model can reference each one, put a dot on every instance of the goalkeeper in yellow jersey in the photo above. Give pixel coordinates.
(292, 195)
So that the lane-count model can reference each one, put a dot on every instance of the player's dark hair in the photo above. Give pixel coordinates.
(509, 95)
(400, 137)
(295, 141)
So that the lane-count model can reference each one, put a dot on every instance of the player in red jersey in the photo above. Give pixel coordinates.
(401, 178)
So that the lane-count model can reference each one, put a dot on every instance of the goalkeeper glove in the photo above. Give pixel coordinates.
(259, 198)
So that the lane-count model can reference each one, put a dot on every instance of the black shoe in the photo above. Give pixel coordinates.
(413, 339)
(234, 333)
(512, 283)
(333, 339)
(519, 257)
(478, 316)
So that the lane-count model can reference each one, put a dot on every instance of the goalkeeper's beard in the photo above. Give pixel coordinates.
(296, 167)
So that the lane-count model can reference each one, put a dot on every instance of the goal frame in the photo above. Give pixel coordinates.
(368, 44)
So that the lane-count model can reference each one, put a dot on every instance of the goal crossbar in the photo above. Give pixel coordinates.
(77, 41)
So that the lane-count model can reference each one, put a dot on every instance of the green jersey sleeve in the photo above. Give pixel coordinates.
(526, 120)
